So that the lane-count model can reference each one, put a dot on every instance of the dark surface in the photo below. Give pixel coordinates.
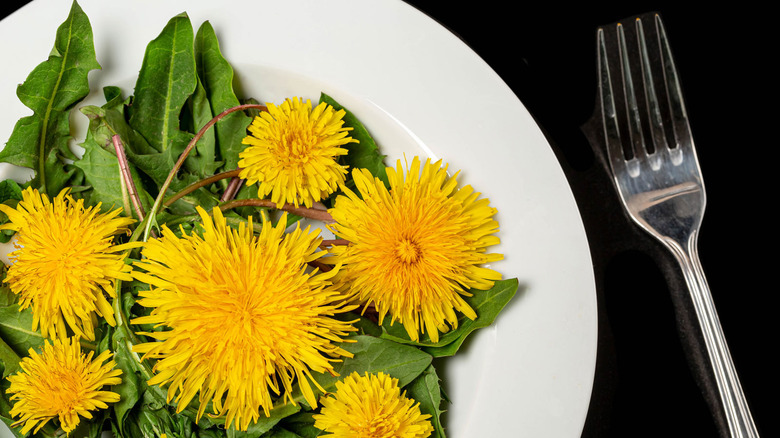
(650, 376)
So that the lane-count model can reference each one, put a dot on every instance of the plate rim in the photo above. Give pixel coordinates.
(407, 15)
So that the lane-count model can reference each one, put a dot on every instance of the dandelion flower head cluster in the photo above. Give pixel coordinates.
(416, 249)
(65, 261)
(244, 316)
(371, 406)
(61, 382)
(293, 152)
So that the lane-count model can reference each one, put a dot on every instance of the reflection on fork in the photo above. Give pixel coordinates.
(656, 173)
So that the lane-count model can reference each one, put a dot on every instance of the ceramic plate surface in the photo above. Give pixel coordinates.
(420, 91)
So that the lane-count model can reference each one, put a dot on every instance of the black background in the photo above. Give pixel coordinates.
(644, 385)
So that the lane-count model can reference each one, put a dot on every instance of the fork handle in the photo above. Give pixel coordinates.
(738, 416)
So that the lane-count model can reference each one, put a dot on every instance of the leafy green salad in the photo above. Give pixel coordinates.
(164, 280)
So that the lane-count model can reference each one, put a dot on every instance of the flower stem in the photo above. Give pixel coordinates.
(232, 189)
(202, 183)
(135, 236)
(321, 266)
(331, 242)
(127, 177)
(183, 156)
(311, 213)
(119, 314)
(233, 221)
(124, 326)
(88, 345)
(127, 210)
(48, 431)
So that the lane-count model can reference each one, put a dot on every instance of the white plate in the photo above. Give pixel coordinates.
(419, 90)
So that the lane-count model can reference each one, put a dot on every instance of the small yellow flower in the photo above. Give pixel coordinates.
(61, 382)
(64, 261)
(416, 249)
(245, 316)
(293, 152)
(371, 406)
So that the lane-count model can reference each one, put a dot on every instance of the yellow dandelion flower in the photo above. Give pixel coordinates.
(246, 316)
(371, 406)
(416, 249)
(64, 261)
(293, 152)
(61, 382)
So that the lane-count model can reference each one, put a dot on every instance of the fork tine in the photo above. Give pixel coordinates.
(634, 123)
(608, 106)
(679, 115)
(654, 96)
(624, 136)
(657, 131)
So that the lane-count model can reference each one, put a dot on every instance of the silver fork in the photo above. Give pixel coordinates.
(657, 174)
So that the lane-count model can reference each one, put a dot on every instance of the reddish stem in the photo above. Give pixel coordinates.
(198, 184)
(187, 150)
(124, 169)
(331, 242)
(311, 213)
(321, 266)
(232, 188)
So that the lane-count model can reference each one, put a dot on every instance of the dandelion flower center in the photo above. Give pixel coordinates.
(61, 382)
(416, 249)
(293, 152)
(244, 316)
(65, 261)
(371, 406)
(408, 251)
